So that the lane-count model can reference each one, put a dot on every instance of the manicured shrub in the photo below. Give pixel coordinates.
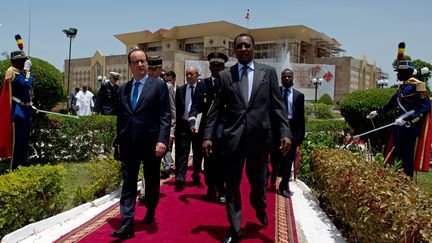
(325, 99)
(47, 83)
(319, 110)
(376, 204)
(55, 138)
(30, 194)
(357, 105)
(319, 134)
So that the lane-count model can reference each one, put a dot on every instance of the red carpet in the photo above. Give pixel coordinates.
(186, 217)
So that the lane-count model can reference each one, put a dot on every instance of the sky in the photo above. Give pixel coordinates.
(370, 28)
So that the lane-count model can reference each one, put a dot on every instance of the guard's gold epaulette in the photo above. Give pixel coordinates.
(10, 74)
(420, 86)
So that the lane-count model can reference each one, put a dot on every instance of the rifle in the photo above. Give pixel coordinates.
(408, 124)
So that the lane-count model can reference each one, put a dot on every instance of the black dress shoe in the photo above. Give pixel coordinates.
(149, 217)
(230, 238)
(149, 220)
(164, 175)
(285, 193)
(262, 217)
(178, 185)
(124, 232)
(210, 195)
(141, 200)
(196, 183)
(222, 200)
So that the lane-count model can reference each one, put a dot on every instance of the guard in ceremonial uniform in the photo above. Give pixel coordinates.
(107, 100)
(411, 136)
(213, 168)
(17, 91)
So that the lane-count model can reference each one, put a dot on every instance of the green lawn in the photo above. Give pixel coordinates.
(424, 179)
(74, 177)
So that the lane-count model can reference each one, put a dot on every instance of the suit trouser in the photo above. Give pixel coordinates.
(213, 171)
(167, 160)
(184, 138)
(256, 170)
(22, 140)
(404, 140)
(130, 170)
(286, 163)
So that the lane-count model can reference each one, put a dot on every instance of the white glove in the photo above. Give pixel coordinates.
(400, 121)
(371, 115)
(27, 65)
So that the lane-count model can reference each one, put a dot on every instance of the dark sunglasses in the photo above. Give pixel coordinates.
(216, 64)
(243, 45)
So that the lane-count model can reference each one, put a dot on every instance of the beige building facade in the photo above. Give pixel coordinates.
(194, 42)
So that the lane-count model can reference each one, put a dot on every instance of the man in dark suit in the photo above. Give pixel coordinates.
(143, 128)
(294, 103)
(248, 96)
(108, 98)
(183, 135)
(213, 168)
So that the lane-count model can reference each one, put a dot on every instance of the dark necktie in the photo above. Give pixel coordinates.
(135, 95)
(285, 97)
(192, 91)
(245, 83)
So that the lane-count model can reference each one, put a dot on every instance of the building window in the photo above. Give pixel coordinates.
(195, 47)
(150, 47)
(265, 50)
(154, 48)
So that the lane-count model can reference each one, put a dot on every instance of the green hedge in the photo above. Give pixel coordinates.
(319, 134)
(357, 105)
(375, 203)
(319, 110)
(30, 194)
(55, 138)
(326, 99)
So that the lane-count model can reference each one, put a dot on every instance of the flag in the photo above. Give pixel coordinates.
(5, 122)
(247, 17)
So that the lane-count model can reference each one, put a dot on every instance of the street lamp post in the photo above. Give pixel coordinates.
(101, 80)
(382, 82)
(70, 33)
(316, 82)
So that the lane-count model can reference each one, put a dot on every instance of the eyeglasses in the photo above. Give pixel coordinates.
(216, 64)
(243, 45)
(136, 62)
(190, 74)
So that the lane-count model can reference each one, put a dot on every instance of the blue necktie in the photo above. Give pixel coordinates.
(135, 95)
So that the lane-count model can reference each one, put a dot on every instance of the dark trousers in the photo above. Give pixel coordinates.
(130, 171)
(404, 139)
(256, 171)
(184, 138)
(214, 173)
(22, 140)
(285, 165)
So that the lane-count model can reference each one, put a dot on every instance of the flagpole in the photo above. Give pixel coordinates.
(29, 29)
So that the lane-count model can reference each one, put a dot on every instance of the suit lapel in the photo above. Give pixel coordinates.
(294, 104)
(236, 82)
(143, 94)
(127, 91)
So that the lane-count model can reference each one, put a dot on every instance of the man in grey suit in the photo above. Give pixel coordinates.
(248, 97)
(143, 129)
